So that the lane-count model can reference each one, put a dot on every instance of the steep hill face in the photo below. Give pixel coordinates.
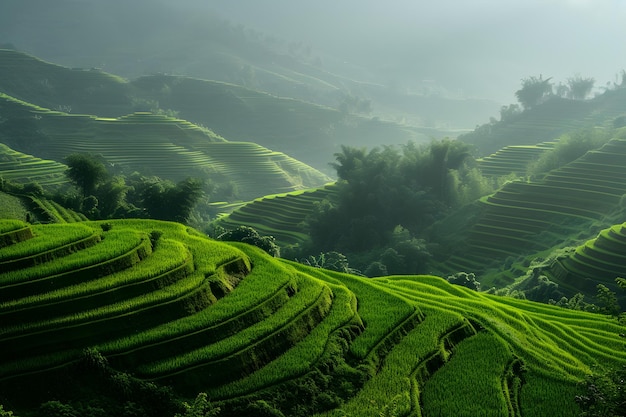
(529, 219)
(153, 145)
(550, 120)
(77, 90)
(100, 315)
(308, 132)
(148, 37)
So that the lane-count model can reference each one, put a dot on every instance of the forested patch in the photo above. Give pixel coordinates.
(387, 197)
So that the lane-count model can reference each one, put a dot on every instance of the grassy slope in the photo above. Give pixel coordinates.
(419, 332)
(308, 132)
(12, 207)
(548, 121)
(20, 167)
(155, 145)
(279, 215)
(529, 219)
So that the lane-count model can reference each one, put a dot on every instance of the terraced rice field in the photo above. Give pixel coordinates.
(228, 320)
(166, 147)
(22, 168)
(598, 261)
(531, 217)
(279, 215)
(512, 159)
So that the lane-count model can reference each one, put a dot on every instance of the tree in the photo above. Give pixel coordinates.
(5, 413)
(607, 300)
(333, 261)
(184, 197)
(57, 409)
(509, 112)
(376, 269)
(464, 279)
(579, 88)
(201, 407)
(250, 236)
(111, 196)
(604, 394)
(86, 171)
(164, 200)
(534, 90)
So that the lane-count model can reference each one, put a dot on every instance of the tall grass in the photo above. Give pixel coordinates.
(7, 225)
(380, 310)
(168, 255)
(267, 277)
(470, 384)
(46, 237)
(304, 356)
(396, 376)
(309, 294)
(116, 243)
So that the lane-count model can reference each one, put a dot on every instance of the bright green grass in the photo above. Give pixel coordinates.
(380, 310)
(301, 358)
(423, 369)
(168, 255)
(12, 207)
(123, 307)
(8, 225)
(470, 384)
(266, 278)
(207, 254)
(46, 237)
(115, 243)
(396, 380)
(542, 395)
(309, 294)
(534, 331)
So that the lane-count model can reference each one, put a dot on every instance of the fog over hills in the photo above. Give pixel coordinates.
(477, 49)
(387, 52)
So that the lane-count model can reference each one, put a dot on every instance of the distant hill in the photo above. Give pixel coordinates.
(527, 221)
(280, 215)
(23, 168)
(153, 145)
(549, 120)
(148, 37)
(102, 315)
(308, 132)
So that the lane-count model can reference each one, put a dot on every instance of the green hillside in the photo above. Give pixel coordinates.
(201, 44)
(279, 215)
(528, 219)
(308, 132)
(549, 120)
(153, 145)
(305, 131)
(79, 90)
(23, 168)
(512, 159)
(597, 261)
(90, 304)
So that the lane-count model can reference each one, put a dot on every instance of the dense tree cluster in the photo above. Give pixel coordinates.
(250, 236)
(105, 196)
(534, 91)
(604, 394)
(388, 197)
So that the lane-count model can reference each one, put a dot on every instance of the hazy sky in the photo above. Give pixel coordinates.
(480, 48)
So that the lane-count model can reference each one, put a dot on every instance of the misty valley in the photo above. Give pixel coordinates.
(202, 215)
